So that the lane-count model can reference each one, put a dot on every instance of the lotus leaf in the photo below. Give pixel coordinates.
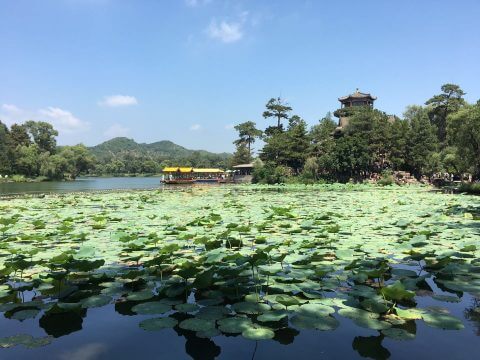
(398, 334)
(275, 315)
(442, 321)
(140, 295)
(153, 307)
(397, 292)
(26, 340)
(234, 325)
(315, 322)
(158, 323)
(96, 301)
(258, 333)
(197, 324)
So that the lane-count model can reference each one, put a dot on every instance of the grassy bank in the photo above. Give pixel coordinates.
(22, 178)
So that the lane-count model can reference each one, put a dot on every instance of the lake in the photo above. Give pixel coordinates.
(81, 184)
(242, 272)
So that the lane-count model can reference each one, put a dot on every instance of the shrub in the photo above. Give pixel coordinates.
(270, 174)
(470, 188)
(386, 179)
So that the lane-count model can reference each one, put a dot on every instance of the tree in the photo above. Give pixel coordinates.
(297, 143)
(321, 136)
(78, 159)
(463, 131)
(27, 161)
(371, 133)
(43, 134)
(19, 135)
(399, 139)
(441, 105)
(275, 149)
(277, 108)
(52, 166)
(247, 133)
(422, 142)
(5, 141)
(241, 155)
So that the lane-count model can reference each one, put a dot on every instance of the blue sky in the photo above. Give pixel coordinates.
(187, 70)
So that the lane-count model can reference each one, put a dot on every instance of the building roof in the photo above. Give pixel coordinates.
(243, 166)
(178, 169)
(210, 170)
(191, 170)
(357, 95)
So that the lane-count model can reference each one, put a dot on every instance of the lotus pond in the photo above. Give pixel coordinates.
(331, 271)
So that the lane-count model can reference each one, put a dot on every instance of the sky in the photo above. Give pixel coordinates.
(189, 70)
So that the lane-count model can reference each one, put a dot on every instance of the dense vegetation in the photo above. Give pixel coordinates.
(225, 264)
(30, 151)
(125, 156)
(442, 136)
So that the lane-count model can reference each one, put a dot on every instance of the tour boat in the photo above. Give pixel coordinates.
(188, 175)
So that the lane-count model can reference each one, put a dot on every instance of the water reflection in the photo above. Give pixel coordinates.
(472, 313)
(62, 324)
(371, 347)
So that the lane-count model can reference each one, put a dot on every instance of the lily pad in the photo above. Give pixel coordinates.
(158, 323)
(196, 324)
(152, 307)
(398, 334)
(442, 321)
(140, 295)
(324, 323)
(258, 333)
(234, 325)
(96, 301)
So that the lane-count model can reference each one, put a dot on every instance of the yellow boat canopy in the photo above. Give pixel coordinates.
(178, 169)
(191, 170)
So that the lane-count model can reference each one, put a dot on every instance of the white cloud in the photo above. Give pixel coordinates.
(90, 351)
(229, 127)
(118, 100)
(10, 108)
(116, 130)
(225, 32)
(62, 120)
(195, 127)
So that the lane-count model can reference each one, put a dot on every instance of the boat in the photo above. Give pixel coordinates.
(189, 175)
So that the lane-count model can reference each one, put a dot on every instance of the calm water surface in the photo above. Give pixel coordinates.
(111, 332)
(81, 184)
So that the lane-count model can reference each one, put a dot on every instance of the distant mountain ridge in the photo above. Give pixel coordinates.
(164, 148)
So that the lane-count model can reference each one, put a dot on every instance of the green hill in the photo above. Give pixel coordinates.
(160, 149)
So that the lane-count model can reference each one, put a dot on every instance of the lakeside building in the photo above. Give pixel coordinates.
(351, 101)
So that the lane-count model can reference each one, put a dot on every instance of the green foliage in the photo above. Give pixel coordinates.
(278, 109)
(323, 262)
(241, 155)
(386, 179)
(269, 173)
(464, 134)
(422, 142)
(43, 135)
(440, 106)
(470, 188)
(120, 156)
(247, 133)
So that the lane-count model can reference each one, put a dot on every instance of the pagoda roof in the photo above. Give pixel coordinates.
(357, 95)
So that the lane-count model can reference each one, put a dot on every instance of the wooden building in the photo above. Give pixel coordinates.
(350, 101)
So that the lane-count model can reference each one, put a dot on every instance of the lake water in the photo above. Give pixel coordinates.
(113, 331)
(81, 184)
